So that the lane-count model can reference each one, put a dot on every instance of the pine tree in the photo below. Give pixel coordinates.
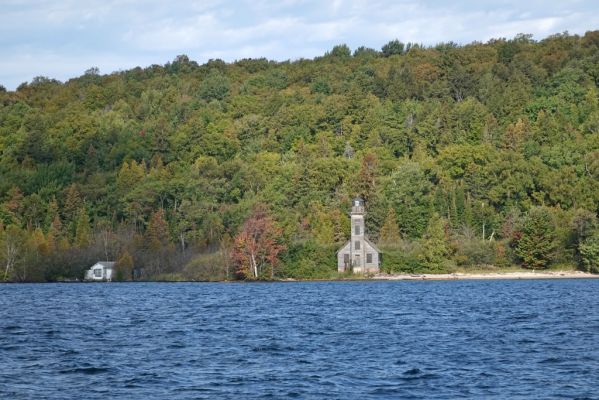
(389, 234)
(434, 247)
(51, 212)
(82, 229)
(55, 234)
(366, 176)
(538, 241)
(72, 204)
(157, 232)
(124, 267)
(157, 241)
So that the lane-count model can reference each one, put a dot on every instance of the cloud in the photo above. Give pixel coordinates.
(61, 39)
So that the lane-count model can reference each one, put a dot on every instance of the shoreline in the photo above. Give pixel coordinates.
(488, 276)
(457, 276)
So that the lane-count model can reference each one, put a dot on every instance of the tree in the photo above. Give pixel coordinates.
(56, 238)
(82, 229)
(589, 252)
(257, 246)
(12, 249)
(124, 267)
(72, 204)
(214, 87)
(367, 175)
(538, 241)
(389, 234)
(225, 247)
(392, 48)
(107, 237)
(157, 242)
(341, 51)
(409, 193)
(434, 248)
(157, 232)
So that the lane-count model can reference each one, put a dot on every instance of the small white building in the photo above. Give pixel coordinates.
(100, 271)
(359, 255)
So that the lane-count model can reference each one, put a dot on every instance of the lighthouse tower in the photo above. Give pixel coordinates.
(356, 245)
(359, 254)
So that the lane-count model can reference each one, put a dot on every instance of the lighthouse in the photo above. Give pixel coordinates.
(359, 254)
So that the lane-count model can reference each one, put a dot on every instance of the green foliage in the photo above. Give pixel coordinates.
(589, 251)
(398, 260)
(166, 162)
(341, 51)
(124, 267)
(389, 233)
(434, 247)
(214, 87)
(392, 48)
(409, 193)
(206, 267)
(538, 242)
(82, 229)
(309, 260)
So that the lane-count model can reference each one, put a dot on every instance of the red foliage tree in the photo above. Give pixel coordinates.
(257, 246)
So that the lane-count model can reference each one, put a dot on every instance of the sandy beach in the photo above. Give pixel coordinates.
(497, 275)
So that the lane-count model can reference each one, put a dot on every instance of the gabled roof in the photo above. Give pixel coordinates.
(342, 247)
(366, 240)
(372, 244)
(105, 264)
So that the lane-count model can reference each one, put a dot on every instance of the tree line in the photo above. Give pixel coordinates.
(482, 155)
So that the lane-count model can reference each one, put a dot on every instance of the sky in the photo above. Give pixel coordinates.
(61, 39)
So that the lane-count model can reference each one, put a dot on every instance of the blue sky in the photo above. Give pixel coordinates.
(61, 39)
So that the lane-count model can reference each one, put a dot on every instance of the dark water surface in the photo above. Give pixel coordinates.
(344, 340)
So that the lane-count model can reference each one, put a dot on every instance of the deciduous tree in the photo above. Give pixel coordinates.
(257, 246)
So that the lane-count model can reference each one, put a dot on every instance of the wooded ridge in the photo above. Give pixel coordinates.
(467, 156)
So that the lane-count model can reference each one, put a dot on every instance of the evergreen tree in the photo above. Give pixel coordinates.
(157, 233)
(55, 234)
(433, 245)
(589, 251)
(124, 267)
(538, 242)
(82, 229)
(389, 234)
(71, 205)
(409, 193)
(392, 48)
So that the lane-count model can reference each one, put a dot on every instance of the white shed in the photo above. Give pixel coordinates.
(100, 271)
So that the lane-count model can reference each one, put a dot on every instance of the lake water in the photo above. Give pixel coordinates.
(319, 340)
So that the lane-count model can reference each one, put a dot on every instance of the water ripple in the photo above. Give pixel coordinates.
(320, 340)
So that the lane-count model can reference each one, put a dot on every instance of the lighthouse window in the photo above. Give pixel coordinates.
(357, 229)
(357, 246)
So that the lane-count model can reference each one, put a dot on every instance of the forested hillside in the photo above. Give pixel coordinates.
(467, 157)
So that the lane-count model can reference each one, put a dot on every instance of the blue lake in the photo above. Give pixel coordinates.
(313, 340)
